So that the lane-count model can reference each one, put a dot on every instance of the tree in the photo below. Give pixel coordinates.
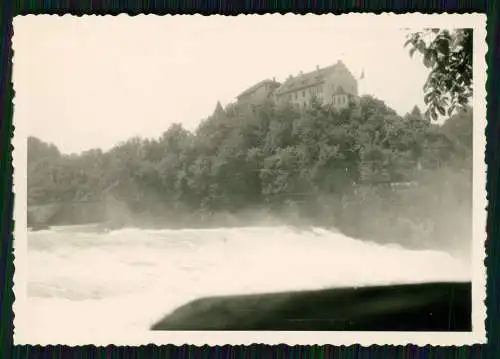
(448, 55)
(459, 126)
(317, 165)
(38, 149)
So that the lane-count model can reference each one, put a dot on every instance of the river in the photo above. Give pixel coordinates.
(82, 283)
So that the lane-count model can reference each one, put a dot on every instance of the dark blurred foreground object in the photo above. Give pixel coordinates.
(409, 307)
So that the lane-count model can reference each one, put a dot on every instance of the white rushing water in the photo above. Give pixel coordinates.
(82, 283)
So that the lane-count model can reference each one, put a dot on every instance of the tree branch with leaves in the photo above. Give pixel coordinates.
(448, 55)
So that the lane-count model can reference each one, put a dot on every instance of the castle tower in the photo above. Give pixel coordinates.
(219, 111)
(340, 98)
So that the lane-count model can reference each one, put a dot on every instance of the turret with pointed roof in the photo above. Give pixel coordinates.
(219, 111)
(416, 112)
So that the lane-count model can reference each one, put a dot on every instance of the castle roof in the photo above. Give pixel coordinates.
(257, 86)
(309, 79)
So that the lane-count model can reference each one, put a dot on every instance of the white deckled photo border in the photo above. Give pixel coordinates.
(478, 335)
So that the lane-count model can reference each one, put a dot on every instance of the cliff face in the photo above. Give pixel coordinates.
(66, 214)
(42, 214)
(109, 209)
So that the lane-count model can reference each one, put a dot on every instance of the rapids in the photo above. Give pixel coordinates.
(82, 283)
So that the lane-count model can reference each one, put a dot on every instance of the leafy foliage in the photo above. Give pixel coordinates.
(448, 55)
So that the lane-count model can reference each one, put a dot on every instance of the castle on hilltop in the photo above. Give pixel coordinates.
(333, 85)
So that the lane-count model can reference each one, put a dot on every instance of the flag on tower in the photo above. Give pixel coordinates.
(362, 75)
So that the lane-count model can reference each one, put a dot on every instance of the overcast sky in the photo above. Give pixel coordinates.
(95, 81)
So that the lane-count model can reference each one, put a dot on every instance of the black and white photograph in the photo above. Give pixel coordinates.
(298, 179)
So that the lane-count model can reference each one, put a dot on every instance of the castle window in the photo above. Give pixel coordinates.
(303, 94)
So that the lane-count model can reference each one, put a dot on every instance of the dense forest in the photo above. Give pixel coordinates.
(364, 170)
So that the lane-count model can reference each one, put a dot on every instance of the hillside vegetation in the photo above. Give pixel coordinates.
(365, 171)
